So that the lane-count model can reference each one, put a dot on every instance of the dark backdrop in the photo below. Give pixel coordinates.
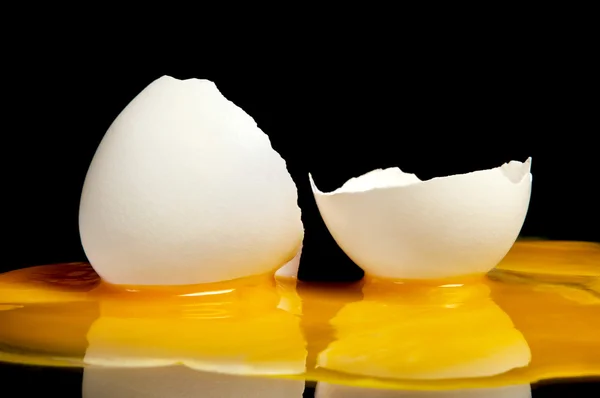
(450, 104)
(441, 116)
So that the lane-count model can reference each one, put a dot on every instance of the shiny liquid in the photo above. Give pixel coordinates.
(537, 316)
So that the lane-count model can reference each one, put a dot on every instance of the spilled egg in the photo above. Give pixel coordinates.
(421, 332)
(513, 327)
(185, 188)
(393, 225)
(236, 330)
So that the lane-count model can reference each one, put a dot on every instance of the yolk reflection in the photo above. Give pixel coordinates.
(537, 316)
(424, 332)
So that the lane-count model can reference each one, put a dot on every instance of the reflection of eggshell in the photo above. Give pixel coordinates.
(395, 226)
(325, 390)
(432, 334)
(236, 331)
(185, 188)
(181, 382)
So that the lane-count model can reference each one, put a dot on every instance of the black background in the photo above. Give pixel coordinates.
(337, 106)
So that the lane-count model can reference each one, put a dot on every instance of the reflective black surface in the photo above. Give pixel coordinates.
(26, 381)
(442, 116)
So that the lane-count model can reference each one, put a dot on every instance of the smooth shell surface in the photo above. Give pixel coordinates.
(394, 225)
(185, 189)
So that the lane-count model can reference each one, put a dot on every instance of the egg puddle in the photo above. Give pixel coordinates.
(536, 316)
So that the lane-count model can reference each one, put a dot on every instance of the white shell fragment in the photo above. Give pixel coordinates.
(184, 189)
(394, 225)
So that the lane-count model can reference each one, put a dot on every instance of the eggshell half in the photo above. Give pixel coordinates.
(185, 189)
(396, 226)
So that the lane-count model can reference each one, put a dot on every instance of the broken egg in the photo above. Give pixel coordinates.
(396, 226)
(185, 189)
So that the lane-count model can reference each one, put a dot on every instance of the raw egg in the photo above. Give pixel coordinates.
(396, 226)
(186, 189)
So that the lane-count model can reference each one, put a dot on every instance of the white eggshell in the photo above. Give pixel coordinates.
(184, 189)
(326, 390)
(394, 225)
(181, 382)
